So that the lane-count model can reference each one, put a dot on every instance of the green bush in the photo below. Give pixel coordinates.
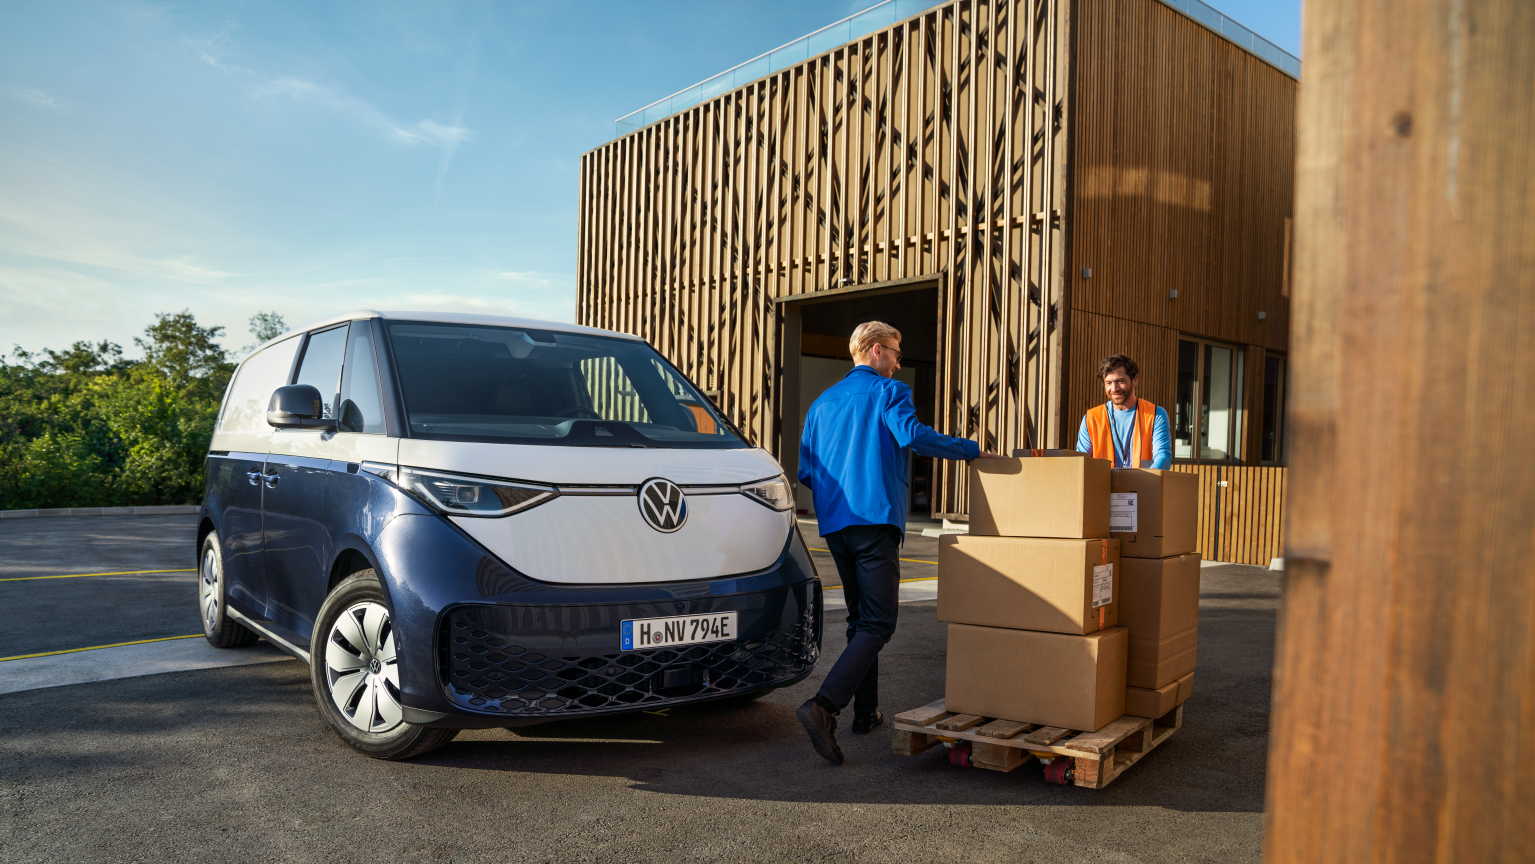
(86, 428)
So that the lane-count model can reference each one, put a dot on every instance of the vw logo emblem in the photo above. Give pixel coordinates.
(662, 505)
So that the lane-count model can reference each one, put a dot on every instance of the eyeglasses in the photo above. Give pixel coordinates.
(888, 348)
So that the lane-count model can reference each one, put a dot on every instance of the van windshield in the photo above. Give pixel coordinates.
(466, 382)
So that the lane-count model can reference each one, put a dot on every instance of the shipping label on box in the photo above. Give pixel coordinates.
(1103, 585)
(1154, 512)
(1123, 510)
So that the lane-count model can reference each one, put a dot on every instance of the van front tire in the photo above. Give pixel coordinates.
(354, 672)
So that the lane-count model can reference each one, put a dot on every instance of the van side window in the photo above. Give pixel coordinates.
(321, 366)
(362, 406)
(251, 390)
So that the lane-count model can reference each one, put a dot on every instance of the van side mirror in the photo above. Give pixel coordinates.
(297, 406)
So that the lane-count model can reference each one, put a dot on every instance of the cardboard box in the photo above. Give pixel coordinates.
(1074, 682)
(1048, 497)
(1155, 703)
(1153, 513)
(1025, 454)
(1159, 604)
(1029, 583)
(1154, 664)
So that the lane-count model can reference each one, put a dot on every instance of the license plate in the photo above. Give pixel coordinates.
(680, 630)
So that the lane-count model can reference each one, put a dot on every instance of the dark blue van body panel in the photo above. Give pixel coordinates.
(233, 502)
(444, 588)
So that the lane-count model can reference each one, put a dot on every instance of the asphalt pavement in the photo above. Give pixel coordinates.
(235, 764)
(56, 614)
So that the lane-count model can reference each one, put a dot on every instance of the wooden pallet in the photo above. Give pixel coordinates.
(1002, 745)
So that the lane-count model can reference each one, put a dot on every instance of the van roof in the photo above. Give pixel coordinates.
(452, 318)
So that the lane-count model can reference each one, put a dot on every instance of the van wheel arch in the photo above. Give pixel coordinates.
(348, 562)
(204, 528)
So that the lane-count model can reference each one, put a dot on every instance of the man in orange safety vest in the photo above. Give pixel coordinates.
(1131, 431)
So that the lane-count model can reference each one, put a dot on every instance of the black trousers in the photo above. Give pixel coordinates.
(871, 575)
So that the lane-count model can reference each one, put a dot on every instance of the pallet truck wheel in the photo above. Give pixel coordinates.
(1061, 771)
(960, 755)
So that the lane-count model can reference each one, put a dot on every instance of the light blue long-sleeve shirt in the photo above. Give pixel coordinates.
(1122, 427)
(852, 455)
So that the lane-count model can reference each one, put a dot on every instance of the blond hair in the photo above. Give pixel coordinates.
(869, 333)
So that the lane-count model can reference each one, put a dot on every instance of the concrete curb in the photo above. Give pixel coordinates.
(127, 661)
(167, 510)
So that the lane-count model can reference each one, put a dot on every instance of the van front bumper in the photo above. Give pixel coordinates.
(481, 645)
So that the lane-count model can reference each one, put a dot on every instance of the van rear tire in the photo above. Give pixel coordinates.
(219, 627)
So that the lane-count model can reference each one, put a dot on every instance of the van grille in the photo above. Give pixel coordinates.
(487, 671)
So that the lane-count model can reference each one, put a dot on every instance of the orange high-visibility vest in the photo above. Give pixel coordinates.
(1099, 431)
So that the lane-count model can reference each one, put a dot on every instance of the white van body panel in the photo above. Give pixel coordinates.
(590, 466)
(604, 539)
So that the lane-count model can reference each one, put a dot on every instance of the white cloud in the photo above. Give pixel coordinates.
(441, 136)
(31, 96)
(210, 49)
(435, 302)
(535, 279)
(55, 218)
(421, 132)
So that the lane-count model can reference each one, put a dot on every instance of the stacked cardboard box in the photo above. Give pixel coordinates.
(1153, 514)
(1075, 596)
(1033, 595)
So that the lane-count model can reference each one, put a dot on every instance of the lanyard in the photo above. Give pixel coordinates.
(1124, 457)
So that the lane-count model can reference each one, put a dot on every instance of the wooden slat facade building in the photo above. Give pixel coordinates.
(1067, 179)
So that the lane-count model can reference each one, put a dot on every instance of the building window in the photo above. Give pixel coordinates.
(1273, 409)
(1208, 421)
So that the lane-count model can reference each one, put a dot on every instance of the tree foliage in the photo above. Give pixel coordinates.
(85, 428)
(265, 326)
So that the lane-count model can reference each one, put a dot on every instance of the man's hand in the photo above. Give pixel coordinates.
(989, 455)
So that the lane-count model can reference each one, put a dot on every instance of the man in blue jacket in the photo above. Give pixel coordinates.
(853, 459)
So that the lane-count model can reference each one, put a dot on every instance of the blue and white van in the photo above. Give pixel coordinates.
(468, 521)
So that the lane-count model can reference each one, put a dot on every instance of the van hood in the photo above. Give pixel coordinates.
(605, 538)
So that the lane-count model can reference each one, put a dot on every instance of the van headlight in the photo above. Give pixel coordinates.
(772, 493)
(461, 495)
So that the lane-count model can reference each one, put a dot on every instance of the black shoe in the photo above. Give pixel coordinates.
(822, 727)
(863, 723)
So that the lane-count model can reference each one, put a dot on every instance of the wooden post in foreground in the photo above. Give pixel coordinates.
(1404, 712)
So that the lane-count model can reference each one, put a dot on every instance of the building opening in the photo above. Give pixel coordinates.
(824, 327)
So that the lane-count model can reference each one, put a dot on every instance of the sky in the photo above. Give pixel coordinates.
(311, 158)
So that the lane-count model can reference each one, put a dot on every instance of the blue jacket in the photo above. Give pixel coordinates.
(853, 453)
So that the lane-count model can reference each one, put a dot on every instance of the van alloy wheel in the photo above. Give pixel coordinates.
(361, 670)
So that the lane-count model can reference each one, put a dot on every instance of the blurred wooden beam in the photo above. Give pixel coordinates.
(1404, 713)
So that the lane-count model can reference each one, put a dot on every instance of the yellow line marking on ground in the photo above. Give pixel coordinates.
(98, 647)
(912, 560)
(80, 575)
(919, 579)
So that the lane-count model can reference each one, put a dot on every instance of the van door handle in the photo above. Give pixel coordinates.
(253, 476)
(271, 480)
